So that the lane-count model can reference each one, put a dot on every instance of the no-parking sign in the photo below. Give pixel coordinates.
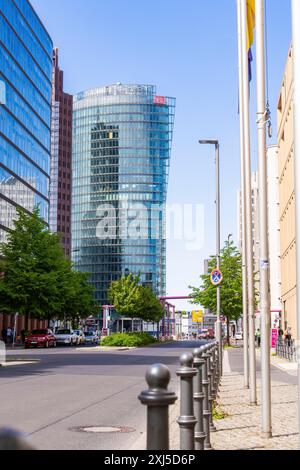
(216, 277)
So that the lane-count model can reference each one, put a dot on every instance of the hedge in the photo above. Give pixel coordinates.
(128, 339)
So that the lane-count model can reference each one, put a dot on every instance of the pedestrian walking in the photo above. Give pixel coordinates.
(288, 335)
(9, 335)
(23, 336)
(258, 337)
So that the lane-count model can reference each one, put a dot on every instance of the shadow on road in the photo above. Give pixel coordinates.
(100, 362)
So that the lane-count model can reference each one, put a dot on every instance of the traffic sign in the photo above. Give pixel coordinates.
(216, 277)
(197, 316)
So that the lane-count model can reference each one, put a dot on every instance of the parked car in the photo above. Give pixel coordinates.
(80, 337)
(239, 335)
(91, 337)
(211, 333)
(40, 338)
(203, 334)
(66, 336)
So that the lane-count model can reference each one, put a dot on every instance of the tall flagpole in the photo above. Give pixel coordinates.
(248, 191)
(264, 283)
(296, 56)
(242, 152)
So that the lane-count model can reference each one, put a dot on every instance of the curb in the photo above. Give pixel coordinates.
(18, 363)
(284, 365)
(105, 348)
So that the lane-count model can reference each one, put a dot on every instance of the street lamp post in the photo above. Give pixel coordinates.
(218, 244)
(262, 120)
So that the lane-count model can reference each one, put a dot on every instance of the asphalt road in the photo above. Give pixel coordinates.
(74, 388)
(278, 375)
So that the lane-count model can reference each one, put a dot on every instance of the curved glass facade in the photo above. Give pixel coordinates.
(25, 111)
(122, 136)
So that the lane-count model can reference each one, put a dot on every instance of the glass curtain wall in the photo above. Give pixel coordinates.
(25, 111)
(122, 136)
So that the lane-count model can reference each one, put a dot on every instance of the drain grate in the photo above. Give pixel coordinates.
(103, 429)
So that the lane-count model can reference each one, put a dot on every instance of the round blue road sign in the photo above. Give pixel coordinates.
(216, 277)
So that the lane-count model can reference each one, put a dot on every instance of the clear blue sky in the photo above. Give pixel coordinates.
(189, 50)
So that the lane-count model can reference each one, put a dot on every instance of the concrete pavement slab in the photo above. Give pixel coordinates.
(241, 429)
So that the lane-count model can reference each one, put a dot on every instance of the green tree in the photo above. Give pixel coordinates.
(124, 295)
(78, 297)
(149, 308)
(38, 280)
(231, 286)
(134, 300)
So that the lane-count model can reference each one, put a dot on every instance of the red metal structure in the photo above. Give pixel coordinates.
(167, 328)
(166, 318)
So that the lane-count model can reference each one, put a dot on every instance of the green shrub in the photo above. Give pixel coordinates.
(218, 413)
(128, 339)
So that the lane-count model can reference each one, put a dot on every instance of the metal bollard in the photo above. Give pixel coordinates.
(158, 399)
(186, 420)
(219, 368)
(11, 439)
(198, 400)
(206, 407)
(213, 372)
(210, 380)
(217, 377)
(214, 362)
(216, 366)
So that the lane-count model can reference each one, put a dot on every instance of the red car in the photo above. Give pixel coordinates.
(43, 338)
(211, 333)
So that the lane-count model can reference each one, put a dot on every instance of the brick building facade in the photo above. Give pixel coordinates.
(61, 158)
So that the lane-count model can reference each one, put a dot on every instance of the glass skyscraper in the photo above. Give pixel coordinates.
(122, 136)
(25, 111)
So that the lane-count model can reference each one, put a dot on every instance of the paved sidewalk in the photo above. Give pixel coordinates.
(241, 429)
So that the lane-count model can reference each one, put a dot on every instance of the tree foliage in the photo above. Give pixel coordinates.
(37, 278)
(150, 308)
(124, 295)
(231, 286)
(134, 300)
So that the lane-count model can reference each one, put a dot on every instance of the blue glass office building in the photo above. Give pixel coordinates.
(122, 137)
(25, 111)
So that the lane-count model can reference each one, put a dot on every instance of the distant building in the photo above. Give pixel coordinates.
(186, 323)
(61, 158)
(25, 119)
(10, 187)
(122, 137)
(25, 112)
(255, 224)
(274, 230)
(274, 233)
(285, 142)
